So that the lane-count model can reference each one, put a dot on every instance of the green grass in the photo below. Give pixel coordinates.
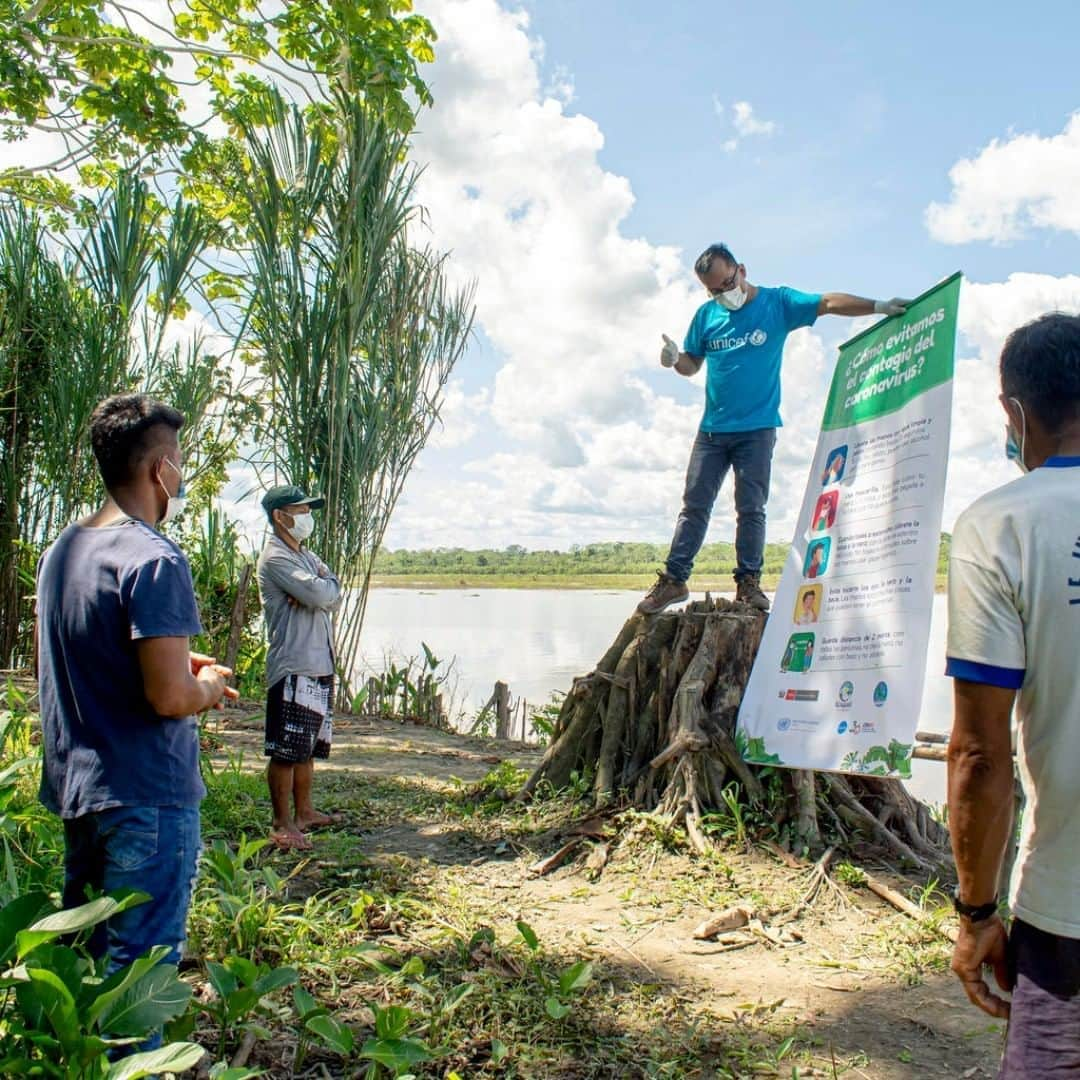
(477, 993)
(466, 580)
(716, 583)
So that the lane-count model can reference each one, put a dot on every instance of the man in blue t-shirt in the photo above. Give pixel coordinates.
(740, 332)
(119, 686)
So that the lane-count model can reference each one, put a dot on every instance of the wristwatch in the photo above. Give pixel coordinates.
(973, 912)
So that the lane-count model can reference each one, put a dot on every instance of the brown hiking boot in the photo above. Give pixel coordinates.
(664, 593)
(748, 591)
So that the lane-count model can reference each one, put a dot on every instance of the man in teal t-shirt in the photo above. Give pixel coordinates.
(740, 333)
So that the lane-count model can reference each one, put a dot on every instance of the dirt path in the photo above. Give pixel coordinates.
(860, 985)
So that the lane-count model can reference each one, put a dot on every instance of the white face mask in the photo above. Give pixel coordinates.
(175, 506)
(731, 300)
(1014, 447)
(302, 527)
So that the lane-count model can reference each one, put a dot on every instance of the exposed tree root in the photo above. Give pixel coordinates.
(654, 724)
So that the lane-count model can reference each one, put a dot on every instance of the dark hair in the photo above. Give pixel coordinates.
(122, 430)
(1040, 366)
(710, 254)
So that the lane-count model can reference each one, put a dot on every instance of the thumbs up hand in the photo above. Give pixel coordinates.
(669, 354)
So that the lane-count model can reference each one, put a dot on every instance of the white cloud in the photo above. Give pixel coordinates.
(514, 188)
(1011, 186)
(561, 85)
(988, 313)
(746, 123)
(460, 416)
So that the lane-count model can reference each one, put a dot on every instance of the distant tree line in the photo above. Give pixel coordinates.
(611, 557)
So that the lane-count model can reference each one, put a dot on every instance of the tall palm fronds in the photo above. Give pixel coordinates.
(355, 328)
(80, 319)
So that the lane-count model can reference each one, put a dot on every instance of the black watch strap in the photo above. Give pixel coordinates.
(973, 912)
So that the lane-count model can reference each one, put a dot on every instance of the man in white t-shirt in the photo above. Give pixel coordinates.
(1014, 631)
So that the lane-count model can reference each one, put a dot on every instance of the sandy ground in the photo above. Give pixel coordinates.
(858, 981)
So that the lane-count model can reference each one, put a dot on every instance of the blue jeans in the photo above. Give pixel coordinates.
(749, 455)
(154, 849)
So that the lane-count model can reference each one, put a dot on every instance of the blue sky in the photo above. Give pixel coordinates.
(581, 153)
(579, 156)
(872, 110)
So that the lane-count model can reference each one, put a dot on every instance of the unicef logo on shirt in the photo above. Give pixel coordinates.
(758, 337)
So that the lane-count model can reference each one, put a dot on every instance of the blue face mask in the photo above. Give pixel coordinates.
(1014, 447)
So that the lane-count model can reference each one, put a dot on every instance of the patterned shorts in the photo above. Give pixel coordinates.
(299, 718)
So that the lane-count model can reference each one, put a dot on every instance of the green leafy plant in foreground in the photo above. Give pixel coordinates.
(61, 1015)
(560, 991)
(240, 906)
(316, 1021)
(393, 1051)
(243, 991)
(30, 837)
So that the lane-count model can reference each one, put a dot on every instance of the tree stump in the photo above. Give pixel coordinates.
(654, 726)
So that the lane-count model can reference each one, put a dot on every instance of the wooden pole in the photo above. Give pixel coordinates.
(502, 711)
(237, 620)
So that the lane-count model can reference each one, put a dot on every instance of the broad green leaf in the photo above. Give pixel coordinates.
(529, 935)
(182, 1027)
(174, 1058)
(456, 996)
(221, 979)
(73, 970)
(574, 978)
(246, 971)
(146, 1004)
(332, 1032)
(75, 919)
(275, 980)
(392, 1022)
(499, 1051)
(304, 1002)
(56, 1004)
(241, 1002)
(555, 1008)
(395, 1053)
(18, 915)
(103, 997)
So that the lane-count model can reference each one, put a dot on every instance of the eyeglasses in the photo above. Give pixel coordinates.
(728, 285)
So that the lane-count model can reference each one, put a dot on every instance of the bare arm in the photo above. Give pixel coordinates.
(980, 786)
(980, 822)
(687, 364)
(168, 682)
(839, 303)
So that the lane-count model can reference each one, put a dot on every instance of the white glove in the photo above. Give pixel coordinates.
(895, 306)
(669, 354)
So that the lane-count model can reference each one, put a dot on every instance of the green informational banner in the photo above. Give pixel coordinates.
(838, 679)
(889, 365)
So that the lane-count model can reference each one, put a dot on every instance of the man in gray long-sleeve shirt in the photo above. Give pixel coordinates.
(299, 593)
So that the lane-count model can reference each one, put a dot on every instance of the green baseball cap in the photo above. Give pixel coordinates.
(290, 495)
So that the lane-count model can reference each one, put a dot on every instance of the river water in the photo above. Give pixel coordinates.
(537, 640)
